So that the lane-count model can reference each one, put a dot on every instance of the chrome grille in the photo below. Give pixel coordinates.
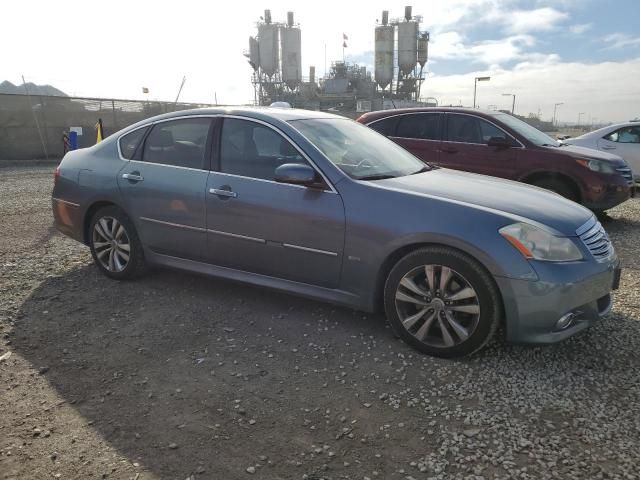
(596, 239)
(626, 173)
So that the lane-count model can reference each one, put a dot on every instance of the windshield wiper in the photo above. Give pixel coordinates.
(377, 176)
(422, 170)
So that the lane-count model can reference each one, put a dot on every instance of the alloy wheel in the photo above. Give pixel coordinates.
(111, 244)
(437, 305)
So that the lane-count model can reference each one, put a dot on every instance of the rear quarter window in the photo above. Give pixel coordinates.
(129, 143)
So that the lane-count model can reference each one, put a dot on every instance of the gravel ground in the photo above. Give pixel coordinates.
(179, 376)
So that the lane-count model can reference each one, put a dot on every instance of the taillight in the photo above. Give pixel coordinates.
(56, 175)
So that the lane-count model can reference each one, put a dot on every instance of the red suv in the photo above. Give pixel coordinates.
(498, 144)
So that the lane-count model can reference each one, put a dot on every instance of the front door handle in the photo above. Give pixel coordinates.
(223, 193)
(608, 147)
(133, 177)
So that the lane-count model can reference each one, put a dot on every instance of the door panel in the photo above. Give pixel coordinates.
(464, 147)
(164, 191)
(261, 226)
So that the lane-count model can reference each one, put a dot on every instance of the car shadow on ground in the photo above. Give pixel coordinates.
(186, 374)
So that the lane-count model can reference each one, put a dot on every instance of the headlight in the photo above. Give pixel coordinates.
(597, 165)
(533, 242)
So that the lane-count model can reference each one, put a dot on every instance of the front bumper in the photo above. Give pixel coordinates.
(533, 308)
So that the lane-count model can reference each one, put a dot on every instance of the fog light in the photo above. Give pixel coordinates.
(565, 321)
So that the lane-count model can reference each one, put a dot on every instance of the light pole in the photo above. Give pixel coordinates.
(555, 106)
(513, 104)
(475, 86)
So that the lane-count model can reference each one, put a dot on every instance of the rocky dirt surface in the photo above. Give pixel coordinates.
(177, 376)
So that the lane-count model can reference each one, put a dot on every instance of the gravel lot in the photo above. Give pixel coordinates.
(178, 376)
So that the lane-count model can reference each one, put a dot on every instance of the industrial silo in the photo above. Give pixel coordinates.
(254, 53)
(290, 45)
(384, 52)
(268, 45)
(423, 49)
(407, 46)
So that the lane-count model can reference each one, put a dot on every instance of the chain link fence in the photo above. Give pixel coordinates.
(32, 126)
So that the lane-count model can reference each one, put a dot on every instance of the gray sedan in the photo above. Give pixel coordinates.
(321, 206)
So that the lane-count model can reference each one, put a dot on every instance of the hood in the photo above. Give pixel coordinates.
(519, 201)
(585, 152)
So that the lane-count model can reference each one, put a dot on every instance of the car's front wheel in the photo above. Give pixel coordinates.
(115, 246)
(442, 302)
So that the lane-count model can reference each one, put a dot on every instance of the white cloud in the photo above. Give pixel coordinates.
(580, 28)
(451, 45)
(621, 40)
(608, 91)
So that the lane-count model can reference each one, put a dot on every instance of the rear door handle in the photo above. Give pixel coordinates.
(134, 177)
(223, 193)
(450, 150)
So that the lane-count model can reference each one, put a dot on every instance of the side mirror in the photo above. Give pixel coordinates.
(499, 142)
(296, 174)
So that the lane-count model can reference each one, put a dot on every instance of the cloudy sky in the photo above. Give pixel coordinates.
(584, 53)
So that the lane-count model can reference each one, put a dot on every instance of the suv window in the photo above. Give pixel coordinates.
(386, 126)
(489, 131)
(424, 126)
(470, 129)
(181, 143)
(625, 135)
(252, 150)
(129, 142)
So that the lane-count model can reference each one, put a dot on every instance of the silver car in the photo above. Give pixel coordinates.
(623, 139)
(321, 206)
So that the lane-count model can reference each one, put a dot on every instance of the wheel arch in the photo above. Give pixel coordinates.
(533, 177)
(88, 215)
(394, 256)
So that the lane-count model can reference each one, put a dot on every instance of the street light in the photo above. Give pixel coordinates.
(475, 86)
(580, 115)
(555, 106)
(513, 105)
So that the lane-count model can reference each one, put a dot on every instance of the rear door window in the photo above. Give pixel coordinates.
(180, 143)
(464, 129)
(422, 126)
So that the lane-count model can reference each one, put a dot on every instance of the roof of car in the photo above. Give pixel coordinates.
(279, 113)
(399, 111)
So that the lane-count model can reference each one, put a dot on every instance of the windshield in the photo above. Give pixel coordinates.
(527, 131)
(357, 150)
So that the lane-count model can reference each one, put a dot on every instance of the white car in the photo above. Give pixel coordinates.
(622, 139)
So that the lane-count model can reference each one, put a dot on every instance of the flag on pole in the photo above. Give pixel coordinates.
(344, 36)
(344, 44)
(99, 131)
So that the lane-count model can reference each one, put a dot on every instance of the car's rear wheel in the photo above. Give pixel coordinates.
(561, 187)
(442, 302)
(115, 246)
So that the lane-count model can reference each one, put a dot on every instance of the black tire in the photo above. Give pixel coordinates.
(561, 187)
(135, 266)
(467, 270)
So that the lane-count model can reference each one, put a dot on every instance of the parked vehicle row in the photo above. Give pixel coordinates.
(324, 207)
(500, 145)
